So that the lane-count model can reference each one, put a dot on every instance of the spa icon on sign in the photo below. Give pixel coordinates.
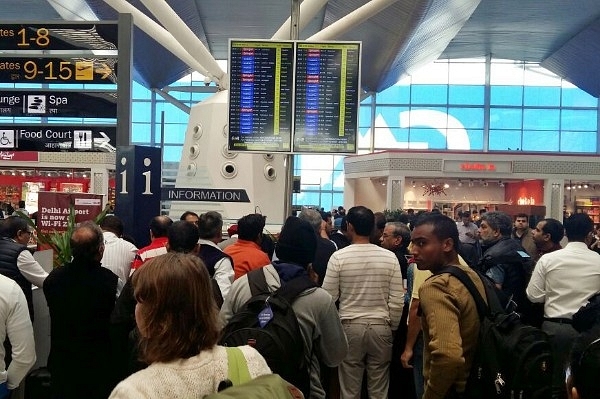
(36, 104)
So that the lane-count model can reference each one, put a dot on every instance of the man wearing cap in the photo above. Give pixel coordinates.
(324, 338)
(16, 262)
(232, 233)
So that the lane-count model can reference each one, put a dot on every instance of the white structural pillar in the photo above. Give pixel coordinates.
(395, 192)
(308, 9)
(99, 182)
(158, 33)
(179, 29)
(554, 198)
(350, 21)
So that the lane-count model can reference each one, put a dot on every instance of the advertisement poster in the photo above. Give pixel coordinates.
(53, 209)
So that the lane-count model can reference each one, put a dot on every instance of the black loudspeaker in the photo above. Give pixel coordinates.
(296, 184)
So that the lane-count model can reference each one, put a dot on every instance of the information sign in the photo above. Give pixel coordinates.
(57, 36)
(58, 103)
(58, 138)
(260, 95)
(57, 70)
(327, 96)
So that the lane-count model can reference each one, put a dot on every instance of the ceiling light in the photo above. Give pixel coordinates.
(446, 185)
(459, 183)
(414, 184)
(585, 185)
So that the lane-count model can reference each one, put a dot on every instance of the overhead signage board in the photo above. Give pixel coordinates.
(58, 70)
(293, 96)
(57, 138)
(327, 96)
(260, 95)
(57, 36)
(58, 104)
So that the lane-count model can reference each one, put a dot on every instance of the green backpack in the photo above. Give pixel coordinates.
(240, 385)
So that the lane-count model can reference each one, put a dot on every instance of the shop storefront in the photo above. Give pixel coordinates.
(539, 185)
(24, 174)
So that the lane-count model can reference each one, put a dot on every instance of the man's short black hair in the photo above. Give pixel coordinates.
(554, 228)
(11, 226)
(210, 225)
(113, 224)
(578, 226)
(251, 226)
(443, 226)
(183, 236)
(186, 214)
(159, 225)
(362, 219)
(522, 215)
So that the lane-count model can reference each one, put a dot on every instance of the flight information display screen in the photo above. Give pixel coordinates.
(327, 96)
(260, 95)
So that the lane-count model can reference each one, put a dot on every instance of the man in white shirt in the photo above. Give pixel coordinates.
(118, 253)
(564, 280)
(468, 232)
(16, 262)
(219, 264)
(16, 326)
(367, 280)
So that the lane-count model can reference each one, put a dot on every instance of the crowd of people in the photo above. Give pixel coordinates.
(377, 321)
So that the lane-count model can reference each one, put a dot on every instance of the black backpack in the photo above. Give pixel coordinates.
(280, 341)
(512, 359)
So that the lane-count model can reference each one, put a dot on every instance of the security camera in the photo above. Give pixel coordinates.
(207, 81)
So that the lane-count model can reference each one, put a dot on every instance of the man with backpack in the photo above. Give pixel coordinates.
(449, 314)
(504, 260)
(318, 332)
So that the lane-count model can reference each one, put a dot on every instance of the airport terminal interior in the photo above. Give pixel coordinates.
(246, 107)
(437, 77)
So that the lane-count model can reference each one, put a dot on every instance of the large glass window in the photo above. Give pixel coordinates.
(440, 106)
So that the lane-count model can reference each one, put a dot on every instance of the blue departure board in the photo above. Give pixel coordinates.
(327, 96)
(293, 96)
(260, 95)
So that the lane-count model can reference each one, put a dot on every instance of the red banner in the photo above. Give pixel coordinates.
(28, 156)
(54, 208)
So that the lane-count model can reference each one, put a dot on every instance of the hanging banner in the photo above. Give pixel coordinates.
(54, 209)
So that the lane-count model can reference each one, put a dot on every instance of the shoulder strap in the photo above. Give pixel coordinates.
(258, 282)
(291, 289)
(237, 367)
(457, 272)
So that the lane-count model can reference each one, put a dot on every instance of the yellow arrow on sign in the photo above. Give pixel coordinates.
(104, 70)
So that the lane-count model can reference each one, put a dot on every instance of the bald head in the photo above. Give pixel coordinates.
(87, 242)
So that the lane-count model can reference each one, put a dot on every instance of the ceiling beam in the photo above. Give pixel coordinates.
(184, 35)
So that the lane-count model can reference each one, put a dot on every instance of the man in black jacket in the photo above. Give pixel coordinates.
(81, 296)
(16, 262)
(504, 259)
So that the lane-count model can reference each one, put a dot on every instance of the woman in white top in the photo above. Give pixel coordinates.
(179, 329)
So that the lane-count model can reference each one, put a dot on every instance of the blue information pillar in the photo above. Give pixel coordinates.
(138, 189)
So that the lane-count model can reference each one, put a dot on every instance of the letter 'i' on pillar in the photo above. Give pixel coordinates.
(138, 198)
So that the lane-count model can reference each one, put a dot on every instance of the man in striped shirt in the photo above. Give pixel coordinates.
(368, 283)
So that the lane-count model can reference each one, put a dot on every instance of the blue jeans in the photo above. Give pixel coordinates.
(4, 392)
